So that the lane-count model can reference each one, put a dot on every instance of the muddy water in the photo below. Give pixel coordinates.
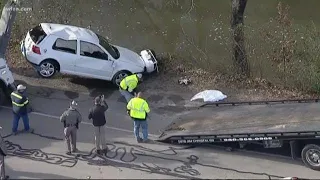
(196, 30)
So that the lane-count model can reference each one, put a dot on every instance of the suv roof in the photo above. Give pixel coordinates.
(69, 32)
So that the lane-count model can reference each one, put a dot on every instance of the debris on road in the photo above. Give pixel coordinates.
(184, 81)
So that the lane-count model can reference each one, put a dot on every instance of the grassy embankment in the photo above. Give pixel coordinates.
(283, 55)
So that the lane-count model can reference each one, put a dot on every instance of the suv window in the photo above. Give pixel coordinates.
(92, 50)
(37, 34)
(113, 51)
(69, 46)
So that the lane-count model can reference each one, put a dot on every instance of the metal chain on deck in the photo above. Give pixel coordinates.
(271, 102)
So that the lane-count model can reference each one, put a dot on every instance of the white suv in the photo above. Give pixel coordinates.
(79, 51)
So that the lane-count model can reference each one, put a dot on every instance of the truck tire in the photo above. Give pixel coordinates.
(311, 156)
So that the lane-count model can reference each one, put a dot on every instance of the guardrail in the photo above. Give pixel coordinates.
(286, 101)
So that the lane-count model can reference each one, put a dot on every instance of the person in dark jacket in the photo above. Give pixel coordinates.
(97, 115)
(20, 109)
(3, 153)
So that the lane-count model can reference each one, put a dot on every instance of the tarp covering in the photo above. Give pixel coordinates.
(209, 96)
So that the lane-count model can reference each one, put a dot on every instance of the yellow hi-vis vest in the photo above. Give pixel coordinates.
(19, 102)
(138, 108)
(129, 83)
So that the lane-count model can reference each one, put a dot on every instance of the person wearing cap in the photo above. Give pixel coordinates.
(20, 104)
(97, 115)
(3, 153)
(138, 110)
(128, 85)
(71, 119)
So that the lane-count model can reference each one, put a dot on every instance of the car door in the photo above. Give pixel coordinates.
(94, 61)
(65, 52)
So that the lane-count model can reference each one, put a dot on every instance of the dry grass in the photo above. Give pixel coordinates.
(167, 80)
(202, 70)
(234, 87)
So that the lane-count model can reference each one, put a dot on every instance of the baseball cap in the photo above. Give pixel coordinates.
(139, 75)
(21, 87)
(97, 100)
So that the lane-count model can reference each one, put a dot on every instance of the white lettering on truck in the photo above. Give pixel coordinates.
(186, 141)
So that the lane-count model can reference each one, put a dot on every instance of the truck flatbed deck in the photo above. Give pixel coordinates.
(272, 126)
(247, 119)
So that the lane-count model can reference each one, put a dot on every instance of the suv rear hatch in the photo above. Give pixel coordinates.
(34, 37)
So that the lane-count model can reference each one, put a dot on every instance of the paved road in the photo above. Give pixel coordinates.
(126, 158)
(56, 102)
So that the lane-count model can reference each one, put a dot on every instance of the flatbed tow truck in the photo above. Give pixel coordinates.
(271, 124)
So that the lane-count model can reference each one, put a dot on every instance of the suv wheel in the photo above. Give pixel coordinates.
(117, 78)
(47, 68)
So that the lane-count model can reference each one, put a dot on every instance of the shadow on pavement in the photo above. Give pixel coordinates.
(32, 175)
(45, 92)
(96, 87)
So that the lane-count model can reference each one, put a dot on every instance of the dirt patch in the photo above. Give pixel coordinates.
(235, 88)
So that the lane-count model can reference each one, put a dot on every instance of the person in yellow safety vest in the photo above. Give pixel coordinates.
(20, 109)
(128, 86)
(138, 110)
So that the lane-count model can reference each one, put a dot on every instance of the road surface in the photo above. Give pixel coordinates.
(42, 155)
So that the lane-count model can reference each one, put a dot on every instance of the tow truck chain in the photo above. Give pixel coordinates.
(271, 102)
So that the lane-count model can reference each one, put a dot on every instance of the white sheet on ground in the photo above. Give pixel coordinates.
(209, 96)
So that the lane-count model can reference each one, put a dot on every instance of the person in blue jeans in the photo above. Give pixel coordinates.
(20, 109)
(138, 109)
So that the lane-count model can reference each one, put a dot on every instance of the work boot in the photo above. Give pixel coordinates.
(6, 177)
(139, 140)
(14, 133)
(145, 140)
(105, 150)
(98, 151)
(75, 150)
(68, 152)
(30, 130)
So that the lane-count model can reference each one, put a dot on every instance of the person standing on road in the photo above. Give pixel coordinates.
(71, 119)
(97, 115)
(20, 109)
(138, 110)
(3, 153)
(128, 86)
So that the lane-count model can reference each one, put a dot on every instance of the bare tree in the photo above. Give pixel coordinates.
(239, 52)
